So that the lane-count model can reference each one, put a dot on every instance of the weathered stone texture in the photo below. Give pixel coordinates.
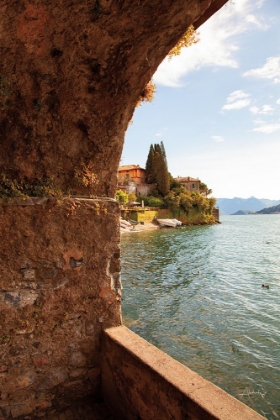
(56, 295)
(142, 382)
(71, 73)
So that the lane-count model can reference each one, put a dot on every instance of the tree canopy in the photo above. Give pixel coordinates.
(157, 170)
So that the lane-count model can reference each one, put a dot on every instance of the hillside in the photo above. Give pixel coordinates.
(232, 205)
(244, 213)
(270, 210)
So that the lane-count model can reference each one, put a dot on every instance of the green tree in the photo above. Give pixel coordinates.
(173, 201)
(155, 202)
(157, 169)
(161, 171)
(186, 201)
(204, 189)
(122, 197)
(150, 177)
(131, 197)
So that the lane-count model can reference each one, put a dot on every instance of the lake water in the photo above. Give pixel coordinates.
(196, 293)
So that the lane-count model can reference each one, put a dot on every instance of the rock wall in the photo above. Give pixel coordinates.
(59, 288)
(71, 73)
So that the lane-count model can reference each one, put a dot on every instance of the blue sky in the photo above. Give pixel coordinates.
(217, 105)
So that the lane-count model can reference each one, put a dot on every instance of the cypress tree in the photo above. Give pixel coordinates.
(157, 170)
(150, 178)
(162, 175)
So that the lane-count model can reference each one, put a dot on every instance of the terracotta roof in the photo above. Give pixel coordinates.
(127, 167)
(186, 179)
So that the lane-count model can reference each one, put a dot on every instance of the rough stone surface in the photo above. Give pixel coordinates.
(52, 309)
(71, 73)
(142, 382)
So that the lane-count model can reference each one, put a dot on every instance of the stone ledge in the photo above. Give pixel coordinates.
(141, 381)
(37, 201)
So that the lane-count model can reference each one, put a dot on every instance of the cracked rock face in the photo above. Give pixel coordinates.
(70, 75)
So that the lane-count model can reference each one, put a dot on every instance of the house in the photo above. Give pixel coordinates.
(191, 184)
(131, 173)
(131, 179)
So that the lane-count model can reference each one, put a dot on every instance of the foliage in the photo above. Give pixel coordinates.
(152, 201)
(41, 188)
(122, 197)
(131, 197)
(186, 201)
(167, 192)
(150, 178)
(174, 184)
(157, 170)
(11, 188)
(204, 189)
(155, 202)
(85, 176)
(188, 39)
(147, 94)
(172, 201)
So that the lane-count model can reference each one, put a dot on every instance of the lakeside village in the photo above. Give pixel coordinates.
(152, 196)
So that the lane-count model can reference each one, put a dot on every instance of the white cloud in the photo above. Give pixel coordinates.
(266, 110)
(161, 132)
(218, 139)
(267, 128)
(278, 101)
(253, 19)
(237, 100)
(219, 41)
(242, 103)
(237, 94)
(270, 70)
(255, 110)
(260, 3)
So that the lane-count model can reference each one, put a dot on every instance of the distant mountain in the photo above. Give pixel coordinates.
(270, 210)
(232, 205)
(244, 212)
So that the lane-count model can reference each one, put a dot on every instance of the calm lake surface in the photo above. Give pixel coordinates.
(196, 293)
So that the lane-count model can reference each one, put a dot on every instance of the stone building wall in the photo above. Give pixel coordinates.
(59, 287)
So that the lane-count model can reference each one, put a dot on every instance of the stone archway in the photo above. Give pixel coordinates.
(70, 75)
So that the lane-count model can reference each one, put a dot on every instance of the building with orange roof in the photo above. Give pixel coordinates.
(191, 184)
(131, 173)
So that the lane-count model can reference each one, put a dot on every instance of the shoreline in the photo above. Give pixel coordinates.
(139, 228)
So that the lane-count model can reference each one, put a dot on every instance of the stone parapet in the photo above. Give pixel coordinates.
(140, 381)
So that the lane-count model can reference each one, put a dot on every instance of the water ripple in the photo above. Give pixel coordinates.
(196, 294)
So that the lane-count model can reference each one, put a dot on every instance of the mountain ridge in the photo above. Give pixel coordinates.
(233, 205)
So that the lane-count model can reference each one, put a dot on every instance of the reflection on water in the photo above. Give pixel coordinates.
(196, 294)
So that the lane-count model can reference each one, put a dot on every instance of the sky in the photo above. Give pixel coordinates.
(217, 105)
